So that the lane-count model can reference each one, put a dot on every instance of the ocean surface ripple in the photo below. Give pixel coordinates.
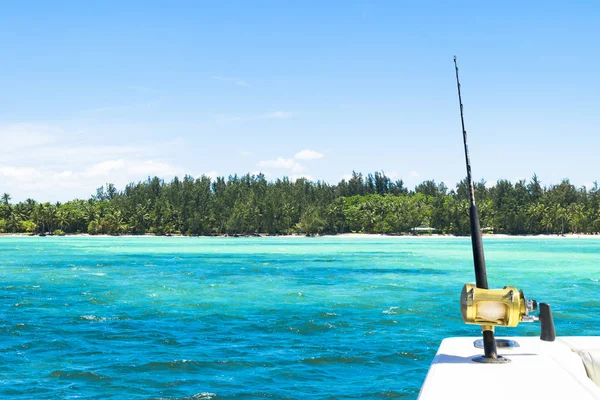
(281, 318)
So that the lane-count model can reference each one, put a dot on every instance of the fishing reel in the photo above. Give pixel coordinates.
(504, 307)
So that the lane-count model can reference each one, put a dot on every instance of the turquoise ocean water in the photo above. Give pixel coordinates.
(209, 318)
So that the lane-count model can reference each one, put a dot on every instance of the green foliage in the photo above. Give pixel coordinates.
(250, 205)
(311, 222)
(28, 227)
(93, 228)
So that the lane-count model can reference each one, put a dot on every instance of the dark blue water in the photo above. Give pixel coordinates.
(208, 318)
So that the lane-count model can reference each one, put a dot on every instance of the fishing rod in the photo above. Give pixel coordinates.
(489, 343)
(478, 257)
(497, 307)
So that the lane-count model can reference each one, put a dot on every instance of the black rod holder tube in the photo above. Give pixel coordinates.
(489, 345)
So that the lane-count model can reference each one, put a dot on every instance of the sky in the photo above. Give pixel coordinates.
(116, 91)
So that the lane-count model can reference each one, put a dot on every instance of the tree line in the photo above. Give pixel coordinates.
(251, 205)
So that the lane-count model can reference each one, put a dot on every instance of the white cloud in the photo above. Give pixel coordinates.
(291, 163)
(414, 174)
(347, 177)
(37, 183)
(394, 175)
(283, 163)
(62, 175)
(113, 170)
(103, 168)
(308, 154)
(42, 162)
(280, 162)
(297, 169)
(235, 81)
(61, 161)
(20, 173)
(147, 168)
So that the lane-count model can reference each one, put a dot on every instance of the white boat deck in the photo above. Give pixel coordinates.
(538, 370)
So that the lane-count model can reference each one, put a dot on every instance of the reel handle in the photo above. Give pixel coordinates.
(548, 333)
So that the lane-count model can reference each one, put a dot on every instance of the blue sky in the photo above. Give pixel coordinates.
(117, 91)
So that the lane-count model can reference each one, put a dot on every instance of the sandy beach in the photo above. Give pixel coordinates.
(341, 235)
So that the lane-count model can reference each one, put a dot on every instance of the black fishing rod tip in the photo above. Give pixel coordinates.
(454, 58)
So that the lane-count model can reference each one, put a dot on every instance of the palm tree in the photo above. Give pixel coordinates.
(5, 210)
(13, 223)
(51, 211)
(62, 218)
(576, 213)
(596, 221)
(530, 212)
(38, 217)
(137, 221)
(560, 214)
(91, 211)
(535, 213)
(116, 223)
(548, 219)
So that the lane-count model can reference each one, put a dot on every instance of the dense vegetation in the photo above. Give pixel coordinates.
(251, 205)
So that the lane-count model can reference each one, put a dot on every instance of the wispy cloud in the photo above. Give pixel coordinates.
(104, 168)
(414, 174)
(40, 183)
(48, 164)
(297, 169)
(394, 175)
(308, 154)
(282, 163)
(23, 174)
(235, 81)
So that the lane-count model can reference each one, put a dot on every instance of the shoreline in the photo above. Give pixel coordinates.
(341, 235)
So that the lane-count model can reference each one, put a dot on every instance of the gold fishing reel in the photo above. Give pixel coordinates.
(503, 307)
(495, 307)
